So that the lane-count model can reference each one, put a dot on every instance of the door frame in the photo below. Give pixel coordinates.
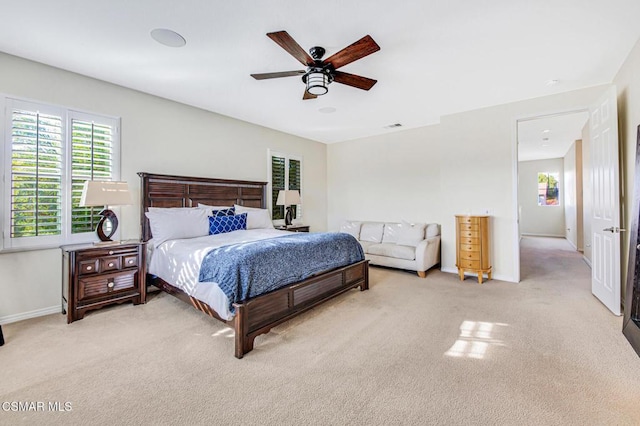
(516, 214)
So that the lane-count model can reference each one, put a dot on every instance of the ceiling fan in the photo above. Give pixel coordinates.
(320, 73)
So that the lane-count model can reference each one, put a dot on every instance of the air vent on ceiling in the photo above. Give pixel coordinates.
(393, 126)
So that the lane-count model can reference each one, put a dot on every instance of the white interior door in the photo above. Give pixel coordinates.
(605, 225)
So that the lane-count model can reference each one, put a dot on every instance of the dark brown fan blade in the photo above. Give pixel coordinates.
(308, 95)
(266, 75)
(361, 48)
(358, 81)
(290, 45)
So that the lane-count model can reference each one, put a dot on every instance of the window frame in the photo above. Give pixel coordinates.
(300, 210)
(7, 105)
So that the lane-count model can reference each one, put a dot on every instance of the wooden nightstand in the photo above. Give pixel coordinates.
(294, 228)
(94, 276)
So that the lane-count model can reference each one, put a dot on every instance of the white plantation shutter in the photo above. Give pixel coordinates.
(36, 174)
(49, 153)
(285, 172)
(91, 159)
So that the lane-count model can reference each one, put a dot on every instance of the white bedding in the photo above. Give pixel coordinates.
(178, 263)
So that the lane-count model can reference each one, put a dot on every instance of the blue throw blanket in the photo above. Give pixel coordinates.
(250, 269)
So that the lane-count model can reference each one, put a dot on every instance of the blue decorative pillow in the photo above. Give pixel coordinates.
(222, 224)
(224, 212)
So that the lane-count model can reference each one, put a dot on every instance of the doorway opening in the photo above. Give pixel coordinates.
(552, 181)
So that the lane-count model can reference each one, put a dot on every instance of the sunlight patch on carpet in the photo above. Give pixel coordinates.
(475, 339)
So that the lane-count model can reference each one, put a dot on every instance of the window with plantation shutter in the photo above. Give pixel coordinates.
(36, 174)
(91, 159)
(285, 172)
(49, 152)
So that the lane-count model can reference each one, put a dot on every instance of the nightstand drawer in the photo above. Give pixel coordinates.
(91, 287)
(108, 264)
(89, 266)
(129, 261)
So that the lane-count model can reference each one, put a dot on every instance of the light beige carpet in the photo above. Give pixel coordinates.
(408, 351)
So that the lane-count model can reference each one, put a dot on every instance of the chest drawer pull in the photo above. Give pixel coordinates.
(110, 264)
(89, 268)
(110, 284)
(110, 252)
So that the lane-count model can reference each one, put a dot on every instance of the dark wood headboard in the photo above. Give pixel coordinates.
(183, 191)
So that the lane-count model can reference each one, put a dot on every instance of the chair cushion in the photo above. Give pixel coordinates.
(411, 234)
(391, 232)
(371, 232)
(393, 250)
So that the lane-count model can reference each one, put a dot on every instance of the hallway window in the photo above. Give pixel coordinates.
(548, 189)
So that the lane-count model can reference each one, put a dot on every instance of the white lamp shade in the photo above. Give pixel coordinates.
(288, 197)
(105, 193)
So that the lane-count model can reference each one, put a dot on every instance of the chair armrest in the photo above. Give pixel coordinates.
(428, 253)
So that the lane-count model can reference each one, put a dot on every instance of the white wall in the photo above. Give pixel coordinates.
(627, 82)
(534, 219)
(158, 136)
(467, 163)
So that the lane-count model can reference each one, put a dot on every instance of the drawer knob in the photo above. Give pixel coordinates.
(110, 284)
(89, 268)
(110, 264)
(110, 251)
(130, 261)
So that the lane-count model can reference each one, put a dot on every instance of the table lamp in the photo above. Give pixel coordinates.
(288, 198)
(105, 193)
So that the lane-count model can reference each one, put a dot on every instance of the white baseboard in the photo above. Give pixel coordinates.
(31, 314)
(587, 261)
(528, 234)
(494, 276)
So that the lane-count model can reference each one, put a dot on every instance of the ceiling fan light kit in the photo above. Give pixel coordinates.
(319, 74)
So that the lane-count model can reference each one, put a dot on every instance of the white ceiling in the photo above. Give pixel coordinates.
(549, 137)
(436, 57)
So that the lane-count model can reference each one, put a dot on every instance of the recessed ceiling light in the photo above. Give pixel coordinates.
(327, 110)
(168, 37)
(552, 82)
(546, 144)
(546, 131)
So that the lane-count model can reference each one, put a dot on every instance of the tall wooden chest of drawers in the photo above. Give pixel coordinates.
(95, 276)
(472, 246)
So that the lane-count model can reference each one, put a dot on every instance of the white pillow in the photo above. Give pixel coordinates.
(352, 228)
(175, 223)
(371, 231)
(411, 234)
(256, 218)
(206, 206)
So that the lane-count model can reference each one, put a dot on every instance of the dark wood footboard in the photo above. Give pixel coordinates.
(258, 315)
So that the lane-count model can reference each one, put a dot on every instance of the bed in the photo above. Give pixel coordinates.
(255, 315)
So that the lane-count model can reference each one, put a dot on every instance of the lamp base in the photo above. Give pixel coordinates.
(288, 216)
(109, 222)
